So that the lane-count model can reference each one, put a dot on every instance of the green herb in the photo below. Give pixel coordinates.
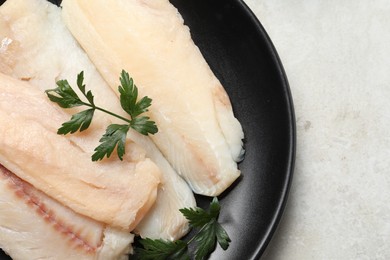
(115, 135)
(209, 233)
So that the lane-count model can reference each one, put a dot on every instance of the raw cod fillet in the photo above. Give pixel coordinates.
(118, 194)
(198, 132)
(29, 217)
(49, 53)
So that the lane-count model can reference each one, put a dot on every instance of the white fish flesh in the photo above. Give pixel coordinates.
(39, 49)
(34, 226)
(118, 194)
(198, 134)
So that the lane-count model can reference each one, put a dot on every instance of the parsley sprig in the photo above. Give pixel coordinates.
(115, 135)
(209, 233)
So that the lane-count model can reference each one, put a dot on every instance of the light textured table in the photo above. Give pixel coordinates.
(336, 54)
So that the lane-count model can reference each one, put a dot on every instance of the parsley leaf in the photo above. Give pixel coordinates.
(198, 217)
(81, 86)
(65, 96)
(143, 125)
(128, 98)
(159, 249)
(205, 240)
(210, 232)
(79, 121)
(115, 136)
(222, 236)
(128, 93)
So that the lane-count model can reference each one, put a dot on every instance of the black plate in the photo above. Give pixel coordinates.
(242, 56)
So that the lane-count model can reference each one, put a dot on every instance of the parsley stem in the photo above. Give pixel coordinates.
(115, 115)
(192, 238)
(108, 112)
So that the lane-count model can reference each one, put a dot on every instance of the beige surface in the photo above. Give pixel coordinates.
(337, 57)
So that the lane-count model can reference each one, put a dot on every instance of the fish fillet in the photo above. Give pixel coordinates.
(34, 226)
(48, 53)
(198, 132)
(113, 193)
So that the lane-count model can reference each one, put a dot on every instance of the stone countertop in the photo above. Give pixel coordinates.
(337, 58)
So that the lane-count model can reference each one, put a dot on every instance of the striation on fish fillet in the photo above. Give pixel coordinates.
(115, 194)
(34, 226)
(47, 53)
(198, 132)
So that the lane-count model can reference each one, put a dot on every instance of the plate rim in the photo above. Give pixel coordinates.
(277, 216)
